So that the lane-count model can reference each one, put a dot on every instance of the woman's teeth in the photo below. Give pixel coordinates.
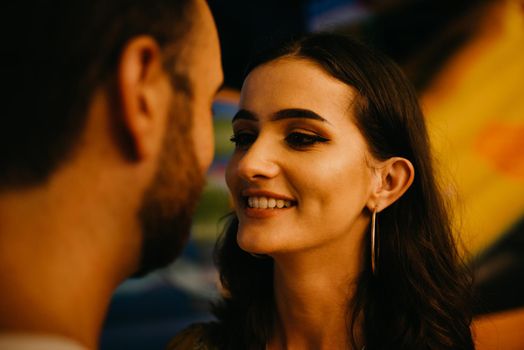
(267, 203)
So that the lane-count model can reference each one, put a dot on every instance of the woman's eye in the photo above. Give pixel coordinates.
(301, 140)
(243, 140)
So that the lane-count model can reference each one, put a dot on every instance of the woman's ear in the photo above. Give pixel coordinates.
(144, 92)
(394, 176)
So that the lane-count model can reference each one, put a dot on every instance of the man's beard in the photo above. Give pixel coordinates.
(170, 201)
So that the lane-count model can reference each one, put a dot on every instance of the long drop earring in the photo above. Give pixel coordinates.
(374, 245)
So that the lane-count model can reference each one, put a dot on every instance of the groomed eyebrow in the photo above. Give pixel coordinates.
(244, 114)
(290, 113)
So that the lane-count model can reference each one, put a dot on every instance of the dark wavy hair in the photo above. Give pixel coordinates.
(419, 296)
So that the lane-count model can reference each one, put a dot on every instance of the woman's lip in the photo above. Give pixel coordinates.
(257, 213)
(264, 193)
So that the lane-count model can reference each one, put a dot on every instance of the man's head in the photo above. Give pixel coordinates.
(61, 56)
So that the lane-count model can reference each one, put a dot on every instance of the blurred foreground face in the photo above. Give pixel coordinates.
(300, 175)
(188, 148)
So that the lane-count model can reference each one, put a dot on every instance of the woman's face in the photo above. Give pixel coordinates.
(301, 174)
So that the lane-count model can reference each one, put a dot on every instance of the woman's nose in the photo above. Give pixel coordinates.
(258, 162)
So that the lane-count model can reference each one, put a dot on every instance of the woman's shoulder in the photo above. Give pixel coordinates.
(195, 337)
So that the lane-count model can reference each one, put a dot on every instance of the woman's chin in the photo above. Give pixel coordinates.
(254, 244)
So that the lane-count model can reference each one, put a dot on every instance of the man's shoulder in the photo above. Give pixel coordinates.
(198, 336)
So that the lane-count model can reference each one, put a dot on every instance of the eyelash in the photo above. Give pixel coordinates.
(297, 140)
(303, 140)
(242, 139)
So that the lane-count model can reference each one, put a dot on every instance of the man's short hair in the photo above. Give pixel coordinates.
(56, 54)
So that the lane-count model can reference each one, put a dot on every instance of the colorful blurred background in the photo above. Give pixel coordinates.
(466, 58)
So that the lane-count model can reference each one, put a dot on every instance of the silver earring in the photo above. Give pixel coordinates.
(374, 248)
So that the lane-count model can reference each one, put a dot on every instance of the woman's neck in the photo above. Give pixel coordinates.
(313, 291)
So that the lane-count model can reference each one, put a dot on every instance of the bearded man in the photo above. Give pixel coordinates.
(106, 135)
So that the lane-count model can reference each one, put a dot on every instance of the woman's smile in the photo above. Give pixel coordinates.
(259, 204)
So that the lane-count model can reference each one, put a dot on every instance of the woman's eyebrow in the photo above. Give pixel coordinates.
(244, 114)
(289, 113)
(299, 113)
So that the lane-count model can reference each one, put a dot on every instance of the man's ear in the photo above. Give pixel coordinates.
(144, 92)
(394, 176)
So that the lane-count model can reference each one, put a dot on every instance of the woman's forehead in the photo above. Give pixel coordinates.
(295, 83)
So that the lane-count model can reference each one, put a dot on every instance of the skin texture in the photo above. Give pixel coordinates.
(80, 234)
(325, 169)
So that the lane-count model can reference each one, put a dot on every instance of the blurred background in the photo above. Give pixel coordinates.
(466, 58)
